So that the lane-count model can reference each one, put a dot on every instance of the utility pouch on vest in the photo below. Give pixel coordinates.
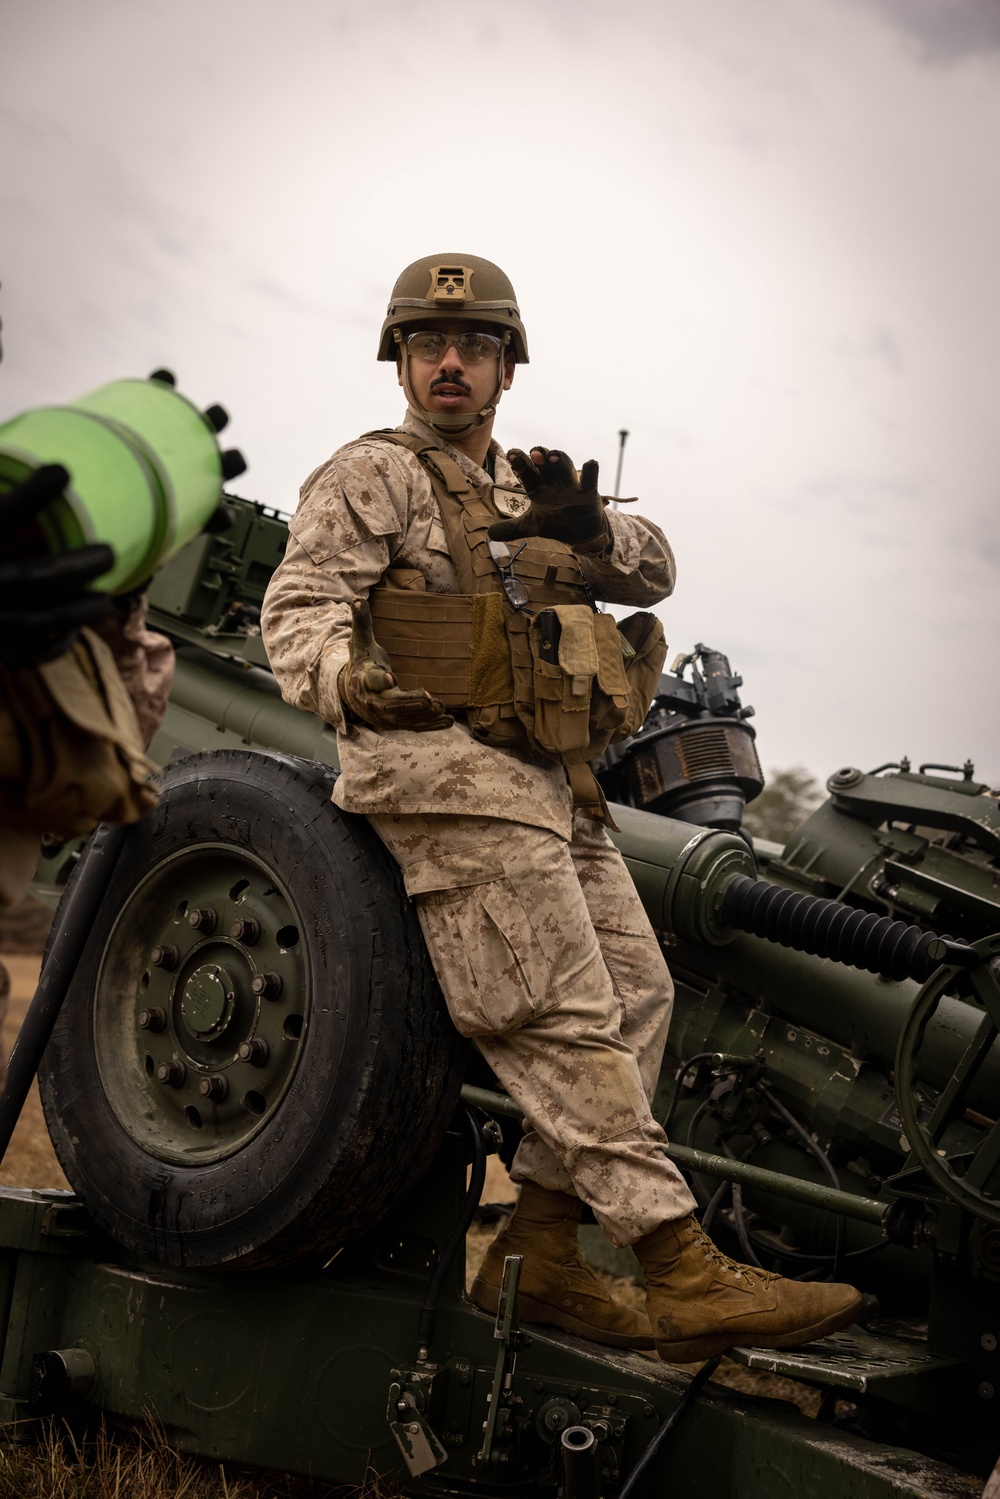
(646, 652)
(580, 688)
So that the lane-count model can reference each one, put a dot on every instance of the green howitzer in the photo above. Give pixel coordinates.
(267, 1119)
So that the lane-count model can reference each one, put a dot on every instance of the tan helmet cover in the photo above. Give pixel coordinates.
(454, 286)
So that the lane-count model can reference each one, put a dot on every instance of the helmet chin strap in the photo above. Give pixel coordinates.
(451, 423)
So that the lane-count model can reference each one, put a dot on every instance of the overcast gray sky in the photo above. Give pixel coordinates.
(763, 235)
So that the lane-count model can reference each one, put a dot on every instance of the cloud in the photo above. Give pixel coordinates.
(877, 344)
(982, 534)
(854, 494)
(945, 31)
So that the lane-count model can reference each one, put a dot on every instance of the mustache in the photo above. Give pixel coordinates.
(452, 380)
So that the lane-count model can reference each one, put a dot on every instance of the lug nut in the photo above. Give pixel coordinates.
(215, 1087)
(164, 957)
(203, 919)
(255, 1052)
(267, 985)
(246, 930)
(152, 1020)
(171, 1074)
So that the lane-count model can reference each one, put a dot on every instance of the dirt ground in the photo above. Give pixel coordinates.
(30, 1161)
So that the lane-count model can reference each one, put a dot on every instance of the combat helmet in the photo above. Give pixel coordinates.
(453, 286)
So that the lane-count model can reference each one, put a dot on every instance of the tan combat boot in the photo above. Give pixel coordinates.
(700, 1302)
(557, 1286)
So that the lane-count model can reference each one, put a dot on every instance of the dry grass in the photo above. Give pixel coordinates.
(142, 1465)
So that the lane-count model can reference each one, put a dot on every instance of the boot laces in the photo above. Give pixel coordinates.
(715, 1256)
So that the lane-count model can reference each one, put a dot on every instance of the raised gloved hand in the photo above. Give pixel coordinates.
(45, 600)
(368, 688)
(563, 507)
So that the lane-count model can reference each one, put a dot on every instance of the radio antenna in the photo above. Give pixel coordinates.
(622, 439)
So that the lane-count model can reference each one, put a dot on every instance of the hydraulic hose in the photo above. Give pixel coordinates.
(69, 937)
(428, 1312)
(692, 1392)
(826, 1166)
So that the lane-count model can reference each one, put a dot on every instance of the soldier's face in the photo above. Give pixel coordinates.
(451, 383)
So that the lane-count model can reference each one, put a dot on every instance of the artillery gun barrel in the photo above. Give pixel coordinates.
(683, 875)
(245, 706)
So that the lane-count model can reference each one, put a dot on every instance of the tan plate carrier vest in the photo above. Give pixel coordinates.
(555, 678)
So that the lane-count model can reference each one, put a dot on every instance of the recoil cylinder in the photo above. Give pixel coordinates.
(845, 934)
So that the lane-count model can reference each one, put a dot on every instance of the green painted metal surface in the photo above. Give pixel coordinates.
(295, 1373)
(200, 1015)
(145, 472)
(222, 703)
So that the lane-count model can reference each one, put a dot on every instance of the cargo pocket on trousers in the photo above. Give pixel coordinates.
(491, 964)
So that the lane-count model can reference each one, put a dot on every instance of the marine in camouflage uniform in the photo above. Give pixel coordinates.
(83, 689)
(543, 950)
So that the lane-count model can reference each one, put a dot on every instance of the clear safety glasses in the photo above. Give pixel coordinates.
(472, 348)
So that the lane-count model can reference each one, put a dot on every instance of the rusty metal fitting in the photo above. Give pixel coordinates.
(171, 1074)
(256, 1052)
(245, 930)
(266, 985)
(215, 1088)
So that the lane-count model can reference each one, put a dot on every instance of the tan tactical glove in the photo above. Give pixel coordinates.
(368, 688)
(563, 507)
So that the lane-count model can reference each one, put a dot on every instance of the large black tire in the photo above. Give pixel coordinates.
(187, 1149)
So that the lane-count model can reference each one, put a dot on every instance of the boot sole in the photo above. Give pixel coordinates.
(488, 1298)
(690, 1350)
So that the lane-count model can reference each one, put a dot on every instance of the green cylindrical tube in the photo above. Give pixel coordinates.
(814, 1194)
(681, 872)
(145, 473)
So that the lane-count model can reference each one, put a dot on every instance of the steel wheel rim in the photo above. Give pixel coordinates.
(194, 1056)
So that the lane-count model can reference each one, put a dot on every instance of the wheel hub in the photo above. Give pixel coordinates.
(197, 1052)
(207, 1000)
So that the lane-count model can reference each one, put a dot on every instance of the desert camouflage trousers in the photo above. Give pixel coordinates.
(548, 961)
